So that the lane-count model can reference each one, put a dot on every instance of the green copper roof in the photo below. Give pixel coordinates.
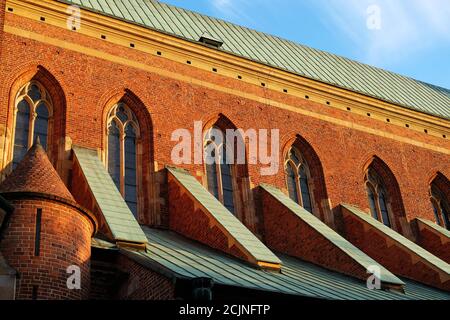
(398, 238)
(118, 216)
(279, 53)
(435, 227)
(177, 257)
(225, 218)
(345, 246)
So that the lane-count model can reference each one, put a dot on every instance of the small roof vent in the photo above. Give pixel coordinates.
(209, 40)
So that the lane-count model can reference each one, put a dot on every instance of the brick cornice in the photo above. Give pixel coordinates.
(150, 41)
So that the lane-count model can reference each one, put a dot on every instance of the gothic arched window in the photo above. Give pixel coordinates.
(32, 113)
(378, 197)
(218, 172)
(441, 207)
(122, 140)
(298, 179)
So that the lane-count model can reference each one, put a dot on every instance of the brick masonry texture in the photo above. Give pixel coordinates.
(2, 20)
(285, 232)
(84, 88)
(88, 84)
(190, 220)
(394, 258)
(143, 284)
(57, 250)
(434, 243)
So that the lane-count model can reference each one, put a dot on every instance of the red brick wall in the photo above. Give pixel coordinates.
(2, 20)
(143, 284)
(434, 243)
(286, 233)
(65, 241)
(394, 258)
(89, 83)
(194, 223)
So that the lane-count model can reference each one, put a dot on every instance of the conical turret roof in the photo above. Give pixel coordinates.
(35, 174)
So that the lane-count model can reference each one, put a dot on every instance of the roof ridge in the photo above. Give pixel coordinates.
(299, 44)
(283, 54)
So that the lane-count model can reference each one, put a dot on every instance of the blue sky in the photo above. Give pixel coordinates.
(410, 37)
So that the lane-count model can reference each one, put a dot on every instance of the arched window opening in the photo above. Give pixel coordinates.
(441, 207)
(32, 113)
(219, 173)
(130, 168)
(114, 152)
(378, 197)
(384, 209)
(123, 136)
(372, 201)
(41, 124)
(298, 179)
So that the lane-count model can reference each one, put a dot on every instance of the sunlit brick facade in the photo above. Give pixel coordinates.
(168, 84)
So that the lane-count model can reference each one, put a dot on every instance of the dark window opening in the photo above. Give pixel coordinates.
(378, 198)
(37, 237)
(219, 174)
(123, 134)
(34, 295)
(297, 174)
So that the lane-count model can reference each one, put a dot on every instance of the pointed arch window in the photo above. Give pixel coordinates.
(298, 179)
(219, 173)
(32, 113)
(378, 198)
(441, 207)
(122, 140)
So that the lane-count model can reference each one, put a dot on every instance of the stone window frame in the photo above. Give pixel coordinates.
(440, 207)
(296, 168)
(219, 176)
(374, 183)
(46, 98)
(132, 120)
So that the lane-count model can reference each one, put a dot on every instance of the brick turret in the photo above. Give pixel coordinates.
(47, 232)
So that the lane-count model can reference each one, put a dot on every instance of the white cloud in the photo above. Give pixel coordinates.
(222, 4)
(407, 26)
(234, 10)
(437, 14)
